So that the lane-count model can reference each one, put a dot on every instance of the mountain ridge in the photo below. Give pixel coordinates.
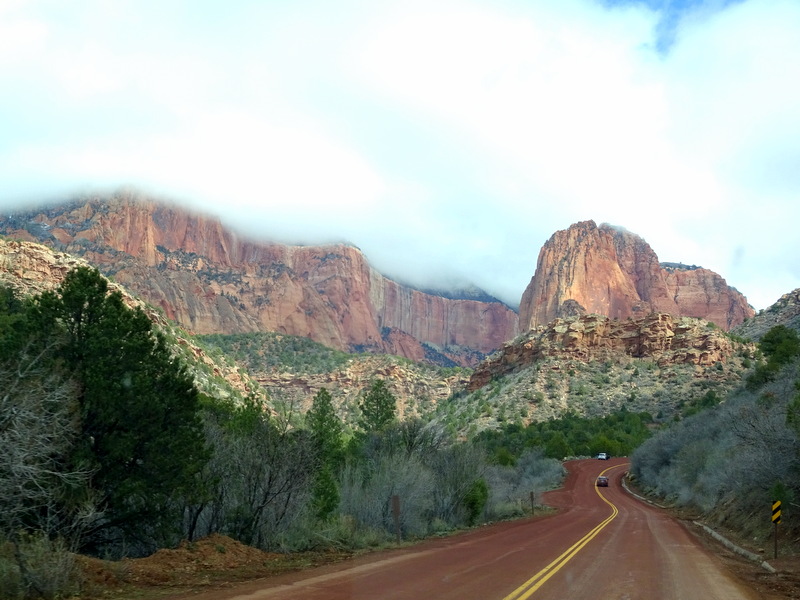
(210, 280)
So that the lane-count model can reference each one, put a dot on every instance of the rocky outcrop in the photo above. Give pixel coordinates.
(209, 280)
(664, 338)
(30, 269)
(416, 390)
(786, 312)
(609, 271)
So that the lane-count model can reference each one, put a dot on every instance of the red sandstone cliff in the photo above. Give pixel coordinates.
(30, 269)
(610, 271)
(209, 280)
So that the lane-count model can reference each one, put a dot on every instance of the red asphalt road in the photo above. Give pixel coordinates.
(603, 544)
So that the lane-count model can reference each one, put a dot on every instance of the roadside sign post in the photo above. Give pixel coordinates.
(396, 515)
(533, 503)
(776, 518)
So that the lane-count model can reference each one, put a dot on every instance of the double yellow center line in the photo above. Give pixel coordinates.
(527, 589)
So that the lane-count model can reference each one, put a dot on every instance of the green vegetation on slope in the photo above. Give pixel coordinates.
(617, 434)
(552, 387)
(269, 352)
(731, 461)
(263, 352)
(112, 450)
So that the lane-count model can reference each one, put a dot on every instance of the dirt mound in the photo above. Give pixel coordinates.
(191, 561)
(214, 561)
(214, 553)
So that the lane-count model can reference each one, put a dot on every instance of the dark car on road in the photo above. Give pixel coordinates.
(602, 481)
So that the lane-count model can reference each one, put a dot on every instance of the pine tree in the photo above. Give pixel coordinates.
(326, 428)
(378, 408)
(140, 427)
(326, 435)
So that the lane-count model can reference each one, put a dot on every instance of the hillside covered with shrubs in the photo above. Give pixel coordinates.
(114, 451)
(118, 445)
(731, 461)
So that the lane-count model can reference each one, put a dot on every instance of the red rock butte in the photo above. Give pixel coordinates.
(605, 270)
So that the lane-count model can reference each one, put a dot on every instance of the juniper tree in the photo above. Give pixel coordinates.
(326, 428)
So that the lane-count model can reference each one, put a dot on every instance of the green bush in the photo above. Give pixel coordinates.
(475, 500)
(570, 435)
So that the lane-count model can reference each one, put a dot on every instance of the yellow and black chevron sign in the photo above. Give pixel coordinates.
(776, 511)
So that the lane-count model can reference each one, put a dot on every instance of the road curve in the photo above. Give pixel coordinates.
(603, 544)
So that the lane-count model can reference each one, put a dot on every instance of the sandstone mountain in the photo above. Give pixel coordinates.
(209, 280)
(610, 271)
(589, 364)
(30, 269)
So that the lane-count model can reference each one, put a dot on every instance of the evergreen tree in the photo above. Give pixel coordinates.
(14, 330)
(326, 435)
(326, 428)
(780, 344)
(378, 408)
(475, 500)
(325, 496)
(139, 421)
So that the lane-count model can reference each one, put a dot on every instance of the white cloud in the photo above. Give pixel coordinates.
(570, 110)
(21, 37)
(440, 136)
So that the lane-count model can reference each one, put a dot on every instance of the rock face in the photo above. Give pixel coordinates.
(30, 269)
(786, 312)
(664, 338)
(207, 279)
(609, 271)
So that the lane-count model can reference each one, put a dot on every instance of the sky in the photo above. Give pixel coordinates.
(448, 140)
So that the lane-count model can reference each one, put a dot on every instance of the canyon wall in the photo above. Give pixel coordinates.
(210, 280)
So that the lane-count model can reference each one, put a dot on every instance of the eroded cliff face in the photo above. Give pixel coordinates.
(209, 280)
(664, 338)
(30, 269)
(609, 271)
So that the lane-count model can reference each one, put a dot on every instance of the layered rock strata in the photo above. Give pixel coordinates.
(664, 338)
(607, 270)
(209, 280)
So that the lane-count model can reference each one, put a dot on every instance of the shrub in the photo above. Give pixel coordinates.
(475, 500)
(37, 568)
